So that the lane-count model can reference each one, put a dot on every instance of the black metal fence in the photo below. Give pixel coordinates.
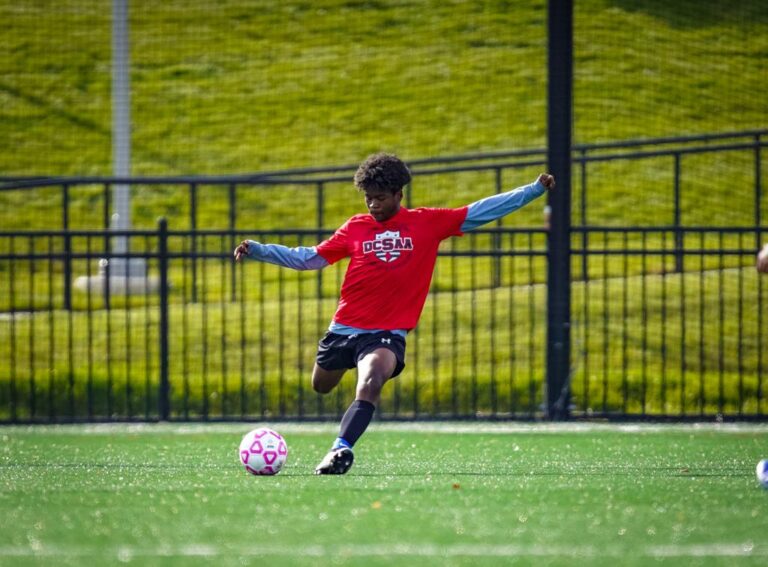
(667, 310)
(238, 341)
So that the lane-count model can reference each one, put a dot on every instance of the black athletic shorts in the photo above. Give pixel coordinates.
(344, 351)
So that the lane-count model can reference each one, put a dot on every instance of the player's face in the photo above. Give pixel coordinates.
(382, 204)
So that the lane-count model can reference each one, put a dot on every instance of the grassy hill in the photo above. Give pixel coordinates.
(236, 86)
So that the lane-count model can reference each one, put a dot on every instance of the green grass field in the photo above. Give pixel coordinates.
(429, 494)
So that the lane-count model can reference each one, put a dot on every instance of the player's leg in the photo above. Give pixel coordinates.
(377, 363)
(373, 371)
(334, 357)
(323, 381)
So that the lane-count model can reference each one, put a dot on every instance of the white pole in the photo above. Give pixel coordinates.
(121, 130)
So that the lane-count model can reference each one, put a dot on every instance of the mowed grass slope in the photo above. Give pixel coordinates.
(240, 86)
(454, 495)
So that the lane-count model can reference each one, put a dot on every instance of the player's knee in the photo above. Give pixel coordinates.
(369, 388)
(321, 387)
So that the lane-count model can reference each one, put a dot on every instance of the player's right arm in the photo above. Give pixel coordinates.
(298, 258)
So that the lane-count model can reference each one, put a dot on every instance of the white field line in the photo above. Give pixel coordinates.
(127, 553)
(409, 427)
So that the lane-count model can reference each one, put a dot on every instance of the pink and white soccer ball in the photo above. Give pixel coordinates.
(263, 451)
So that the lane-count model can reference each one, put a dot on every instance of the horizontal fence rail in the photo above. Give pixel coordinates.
(672, 167)
(667, 323)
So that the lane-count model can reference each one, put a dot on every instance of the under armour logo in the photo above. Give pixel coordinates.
(388, 341)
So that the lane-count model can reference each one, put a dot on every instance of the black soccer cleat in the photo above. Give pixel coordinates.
(337, 461)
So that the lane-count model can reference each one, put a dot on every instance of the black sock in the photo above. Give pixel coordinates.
(355, 421)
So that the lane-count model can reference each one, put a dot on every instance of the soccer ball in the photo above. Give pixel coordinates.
(263, 451)
(762, 473)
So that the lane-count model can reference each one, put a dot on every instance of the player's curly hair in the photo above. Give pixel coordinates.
(382, 172)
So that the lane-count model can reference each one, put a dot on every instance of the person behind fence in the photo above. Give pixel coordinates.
(392, 251)
(762, 259)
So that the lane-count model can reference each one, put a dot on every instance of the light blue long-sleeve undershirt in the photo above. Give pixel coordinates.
(478, 213)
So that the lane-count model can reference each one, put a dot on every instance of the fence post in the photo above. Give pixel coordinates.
(758, 192)
(164, 405)
(559, 103)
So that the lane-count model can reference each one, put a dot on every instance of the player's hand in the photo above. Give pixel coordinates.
(762, 260)
(241, 250)
(547, 180)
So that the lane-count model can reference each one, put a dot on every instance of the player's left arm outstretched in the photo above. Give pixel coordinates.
(496, 206)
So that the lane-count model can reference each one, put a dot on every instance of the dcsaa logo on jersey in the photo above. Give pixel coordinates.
(388, 245)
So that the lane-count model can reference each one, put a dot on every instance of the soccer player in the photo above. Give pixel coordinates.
(762, 260)
(392, 251)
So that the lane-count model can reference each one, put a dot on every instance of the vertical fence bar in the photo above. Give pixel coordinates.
(12, 300)
(583, 216)
(262, 343)
(164, 402)
(512, 322)
(185, 324)
(663, 340)
(454, 333)
(281, 326)
(740, 327)
(243, 346)
(148, 355)
(32, 349)
(585, 324)
(232, 225)
(223, 335)
(193, 236)
(89, 328)
(51, 337)
(204, 332)
(721, 328)
(129, 339)
(108, 351)
(606, 348)
(492, 337)
(532, 332)
(70, 360)
(67, 247)
(702, 299)
(624, 329)
(677, 217)
(683, 336)
(108, 247)
(644, 332)
(758, 191)
(105, 216)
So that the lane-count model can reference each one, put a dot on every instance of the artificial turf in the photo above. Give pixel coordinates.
(429, 494)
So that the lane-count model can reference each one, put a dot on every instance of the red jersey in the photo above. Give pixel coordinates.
(388, 277)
